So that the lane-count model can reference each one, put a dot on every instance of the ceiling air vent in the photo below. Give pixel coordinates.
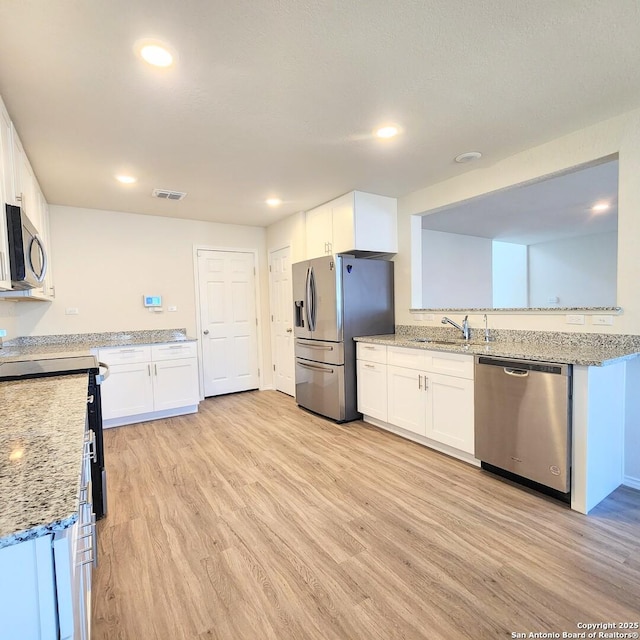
(165, 194)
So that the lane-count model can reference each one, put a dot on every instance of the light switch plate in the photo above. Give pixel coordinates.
(602, 320)
(575, 318)
(71, 311)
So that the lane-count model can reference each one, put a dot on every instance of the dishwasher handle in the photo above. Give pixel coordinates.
(518, 373)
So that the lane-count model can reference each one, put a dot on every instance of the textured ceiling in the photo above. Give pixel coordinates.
(279, 98)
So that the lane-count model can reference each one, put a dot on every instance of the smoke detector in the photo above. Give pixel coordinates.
(165, 194)
(470, 156)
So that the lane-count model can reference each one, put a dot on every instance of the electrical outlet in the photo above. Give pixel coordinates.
(71, 311)
(172, 308)
(603, 320)
(429, 317)
(575, 318)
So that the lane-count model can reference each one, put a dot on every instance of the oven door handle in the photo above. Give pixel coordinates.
(101, 377)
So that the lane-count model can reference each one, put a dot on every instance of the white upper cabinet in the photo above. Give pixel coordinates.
(356, 222)
(26, 186)
(319, 229)
(19, 186)
(6, 191)
(7, 185)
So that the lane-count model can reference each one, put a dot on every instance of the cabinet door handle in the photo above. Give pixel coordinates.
(426, 383)
(149, 369)
(420, 382)
(370, 366)
(155, 369)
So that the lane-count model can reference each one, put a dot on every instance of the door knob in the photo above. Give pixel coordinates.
(289, 330)
(206, 332)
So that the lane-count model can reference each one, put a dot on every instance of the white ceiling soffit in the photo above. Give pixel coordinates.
(541, 211)
(277, 98)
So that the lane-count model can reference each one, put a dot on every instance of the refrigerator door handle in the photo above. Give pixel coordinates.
(311, 299)
(315, 367)
(307, 295)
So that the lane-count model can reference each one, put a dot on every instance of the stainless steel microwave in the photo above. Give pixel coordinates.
(27, 254)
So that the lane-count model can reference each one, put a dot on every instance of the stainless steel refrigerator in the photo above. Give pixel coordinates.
(336, 298)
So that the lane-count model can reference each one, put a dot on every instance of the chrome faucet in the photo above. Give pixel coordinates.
(464, 328)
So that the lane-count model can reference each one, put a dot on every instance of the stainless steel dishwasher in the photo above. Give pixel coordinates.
(523, 420)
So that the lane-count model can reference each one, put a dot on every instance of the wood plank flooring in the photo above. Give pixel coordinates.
(256, 520)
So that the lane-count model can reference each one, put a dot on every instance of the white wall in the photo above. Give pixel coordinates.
(289, 232)
(8, 319)
(580, 272)
(509, 272)
(618, 135)
(463, 267)
(104, 261)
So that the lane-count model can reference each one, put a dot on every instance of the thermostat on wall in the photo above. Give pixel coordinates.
(152, 301)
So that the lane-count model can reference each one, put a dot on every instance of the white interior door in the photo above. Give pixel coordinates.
(282, 320)
(228, 321)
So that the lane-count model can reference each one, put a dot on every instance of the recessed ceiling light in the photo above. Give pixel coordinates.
(388, 131)
(156, 55)
(469, 156)
(600, 207)
(273, 202)
(126, 179)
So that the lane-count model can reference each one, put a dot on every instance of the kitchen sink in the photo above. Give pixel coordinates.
(432, 341)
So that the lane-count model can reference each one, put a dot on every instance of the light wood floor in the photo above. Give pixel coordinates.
(256, 520)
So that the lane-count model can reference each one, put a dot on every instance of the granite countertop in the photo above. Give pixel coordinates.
(41, 445)
(586, 354)
(80, 344)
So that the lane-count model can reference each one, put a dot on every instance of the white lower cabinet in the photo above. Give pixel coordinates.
(407, 399)
(371, 378)
(127, 391)
(372, 389)
(45, 582)
(149, 382)
(450, 411)
(28, 591)
(427, 393)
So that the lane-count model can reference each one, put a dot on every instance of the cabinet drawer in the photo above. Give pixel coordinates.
(125, 355)
(409, 358)
(173, 351)
(371, 352)
(451, 364)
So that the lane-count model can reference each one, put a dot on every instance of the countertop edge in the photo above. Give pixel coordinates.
(498, 350)
(38, 531)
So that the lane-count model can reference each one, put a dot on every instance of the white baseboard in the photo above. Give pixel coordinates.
(632, 482)
(145, 417)
(427, 442)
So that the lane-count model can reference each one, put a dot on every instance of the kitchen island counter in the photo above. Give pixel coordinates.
(587, 354)
(81, 344)
(41, 446)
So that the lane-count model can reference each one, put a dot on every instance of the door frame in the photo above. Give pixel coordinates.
(270, 252)
(196, 284)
